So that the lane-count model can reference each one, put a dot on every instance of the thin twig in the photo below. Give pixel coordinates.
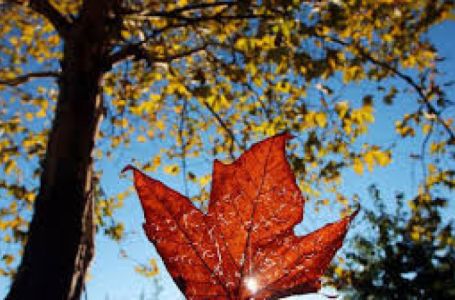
(179, 10)
(408, 79)
(422, 156)
(138, 52)
(226, 128)
(196, 6)
(183, 144)
(27, 77)
(218, 18)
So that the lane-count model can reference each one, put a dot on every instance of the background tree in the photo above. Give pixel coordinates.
(402, 255)
(236, 70)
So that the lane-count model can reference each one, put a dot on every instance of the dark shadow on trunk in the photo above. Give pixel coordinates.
(60, 241)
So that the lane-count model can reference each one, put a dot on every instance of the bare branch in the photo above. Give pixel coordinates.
(27, 77)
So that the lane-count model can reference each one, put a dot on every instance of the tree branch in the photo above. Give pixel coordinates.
(177, 13)
(183, 9)
(225, 127)
(138, 52)
(27, 77)
(408, 79)
(190, 20)
(44, 8)
(196, 6)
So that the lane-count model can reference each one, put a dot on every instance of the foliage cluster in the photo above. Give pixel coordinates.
(407, 254)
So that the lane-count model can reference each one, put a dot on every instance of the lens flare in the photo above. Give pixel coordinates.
(252, 284)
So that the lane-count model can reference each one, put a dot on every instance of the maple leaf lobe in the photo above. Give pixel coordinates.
(245, 245)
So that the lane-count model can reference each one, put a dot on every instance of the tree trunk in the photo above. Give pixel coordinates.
(60, 242)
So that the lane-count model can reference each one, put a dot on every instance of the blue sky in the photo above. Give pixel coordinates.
(114, 278)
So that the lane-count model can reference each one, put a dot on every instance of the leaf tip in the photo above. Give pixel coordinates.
(354, 214)
(287, 135)
(128, 168)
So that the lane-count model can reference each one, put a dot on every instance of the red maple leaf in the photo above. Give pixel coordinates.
(245, 246)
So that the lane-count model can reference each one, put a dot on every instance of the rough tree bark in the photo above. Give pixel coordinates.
(60, 241)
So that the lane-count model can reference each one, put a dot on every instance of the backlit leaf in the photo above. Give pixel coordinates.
(244, 247)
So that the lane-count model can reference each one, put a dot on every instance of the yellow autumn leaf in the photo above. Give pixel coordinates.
(204, 180)
(387, 37)
(426, 128)
(7, 238)
(150, 133)
(156, 161)
(154, 270)
(41, 113)
(8, 259)
(382, 158)
(339, 271)
(415, 236)
(172, 169)
(141, 139)
(342, 108)
(160, 125)
(28, 116)
(320, 119)
(369, 160)
(357, 166)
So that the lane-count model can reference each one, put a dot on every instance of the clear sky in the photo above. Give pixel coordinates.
(114, 278)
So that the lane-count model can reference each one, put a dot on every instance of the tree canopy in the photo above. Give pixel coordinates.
(402, 255)
(213, 76)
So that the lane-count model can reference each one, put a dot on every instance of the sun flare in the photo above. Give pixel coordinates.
(252, 284)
